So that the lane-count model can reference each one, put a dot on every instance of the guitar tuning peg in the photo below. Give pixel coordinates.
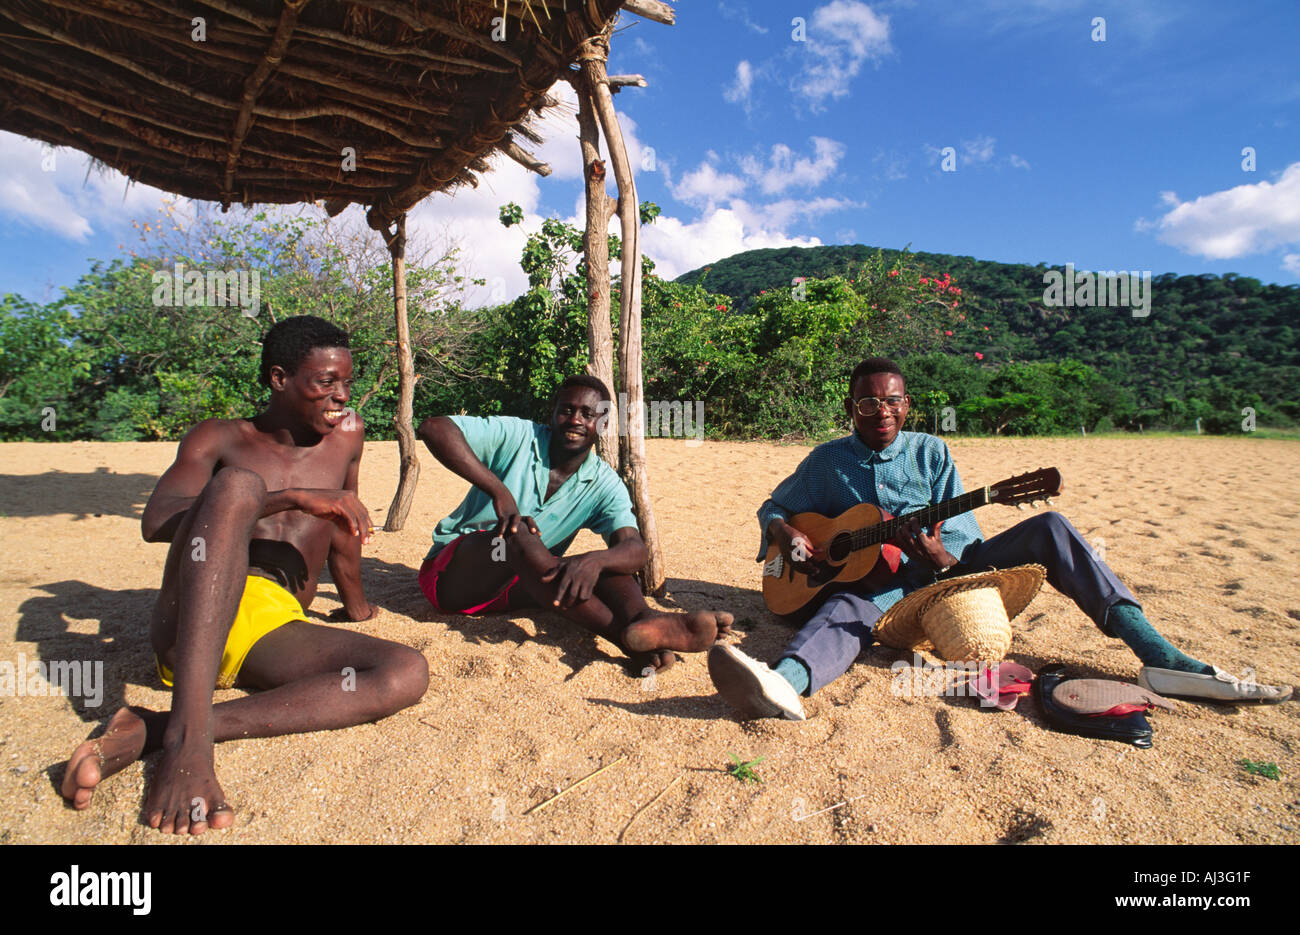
(1022, 505)
(1048, 501)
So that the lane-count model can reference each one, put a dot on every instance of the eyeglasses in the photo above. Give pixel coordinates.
(870, 405)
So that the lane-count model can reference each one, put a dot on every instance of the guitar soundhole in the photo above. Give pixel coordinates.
(840, 547)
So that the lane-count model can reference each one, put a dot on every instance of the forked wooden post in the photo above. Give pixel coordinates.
(405, 418)
(595, 246)
(632, 430)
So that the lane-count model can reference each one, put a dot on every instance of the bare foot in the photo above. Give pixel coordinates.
(685, 633)
(95, 760)
(185, 795)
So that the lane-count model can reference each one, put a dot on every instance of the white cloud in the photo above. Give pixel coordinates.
(1234, 222)
(558, 127)
(730, 223)
(74, 204)
(1291, 263)
(974, 153)
(678, 246)
(73, 200)
(894, 165)
(704, 186)
(778, 214)
(785, 170)
(978, 150)
(641, 47)
(1018, 163)
(469, 216)
(740, 89)
(842, 36)
(730, 10)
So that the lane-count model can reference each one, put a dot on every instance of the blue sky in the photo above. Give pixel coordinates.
(1122, 154)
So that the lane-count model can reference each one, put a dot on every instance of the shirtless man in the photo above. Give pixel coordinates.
(535, 486)
(253, 508)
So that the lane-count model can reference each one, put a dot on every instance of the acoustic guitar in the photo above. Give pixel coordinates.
(854, 542)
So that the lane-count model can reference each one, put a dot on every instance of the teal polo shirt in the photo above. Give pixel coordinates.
(518, 453)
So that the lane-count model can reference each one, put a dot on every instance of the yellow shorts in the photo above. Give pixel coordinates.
(265, 606)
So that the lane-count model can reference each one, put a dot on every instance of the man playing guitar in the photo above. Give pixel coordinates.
(902, 472)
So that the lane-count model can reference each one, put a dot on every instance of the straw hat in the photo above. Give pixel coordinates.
(965, 618)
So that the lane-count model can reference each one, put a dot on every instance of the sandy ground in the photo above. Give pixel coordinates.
(1203, 530)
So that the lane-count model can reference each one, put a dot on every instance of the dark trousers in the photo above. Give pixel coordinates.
(841, 628)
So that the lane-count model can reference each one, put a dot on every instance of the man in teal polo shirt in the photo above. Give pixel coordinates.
(534, 487)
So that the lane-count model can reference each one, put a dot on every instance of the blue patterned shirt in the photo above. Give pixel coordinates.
(915, 471)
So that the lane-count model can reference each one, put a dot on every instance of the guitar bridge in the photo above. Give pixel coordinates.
(775, 568)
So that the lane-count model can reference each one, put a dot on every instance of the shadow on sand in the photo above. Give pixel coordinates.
(93, 493)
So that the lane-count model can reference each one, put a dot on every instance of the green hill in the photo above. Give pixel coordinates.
(1209, 343)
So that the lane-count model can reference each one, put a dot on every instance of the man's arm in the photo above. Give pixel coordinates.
(942, 547)
(576, 575)
(447, 443)
(791, 496)
(345, 551)
(201, 450)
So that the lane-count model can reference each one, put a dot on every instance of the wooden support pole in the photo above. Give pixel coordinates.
(632, 434)
(626, 81)
(405, 418)
(653, 10)
(525, 158)
(253, 85)
(595, 248)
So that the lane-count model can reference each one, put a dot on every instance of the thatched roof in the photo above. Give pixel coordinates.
(260, 104)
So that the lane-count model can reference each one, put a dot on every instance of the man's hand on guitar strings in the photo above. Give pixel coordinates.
(796, 547)
(920, 546)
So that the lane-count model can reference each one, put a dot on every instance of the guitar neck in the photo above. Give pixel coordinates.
(874, 535)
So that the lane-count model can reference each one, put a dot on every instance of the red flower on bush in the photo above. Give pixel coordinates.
(948, 333)
(722, 308)
(979, 356)
(893, 272)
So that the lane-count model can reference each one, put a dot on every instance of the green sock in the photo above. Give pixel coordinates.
(1128, 623)
(795, 672)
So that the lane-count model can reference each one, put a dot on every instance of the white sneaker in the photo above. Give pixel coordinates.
(751, 687)
(1217, 687)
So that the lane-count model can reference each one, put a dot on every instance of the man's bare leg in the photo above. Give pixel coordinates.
(200, 594)
(314, 678)
(203, 580)
(196, 606)
(616, 611)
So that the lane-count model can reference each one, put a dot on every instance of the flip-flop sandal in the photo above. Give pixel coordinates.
(1104, 698)
(1001, 686)
(1096, 707)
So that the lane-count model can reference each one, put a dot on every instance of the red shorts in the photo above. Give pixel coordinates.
(433, 567)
